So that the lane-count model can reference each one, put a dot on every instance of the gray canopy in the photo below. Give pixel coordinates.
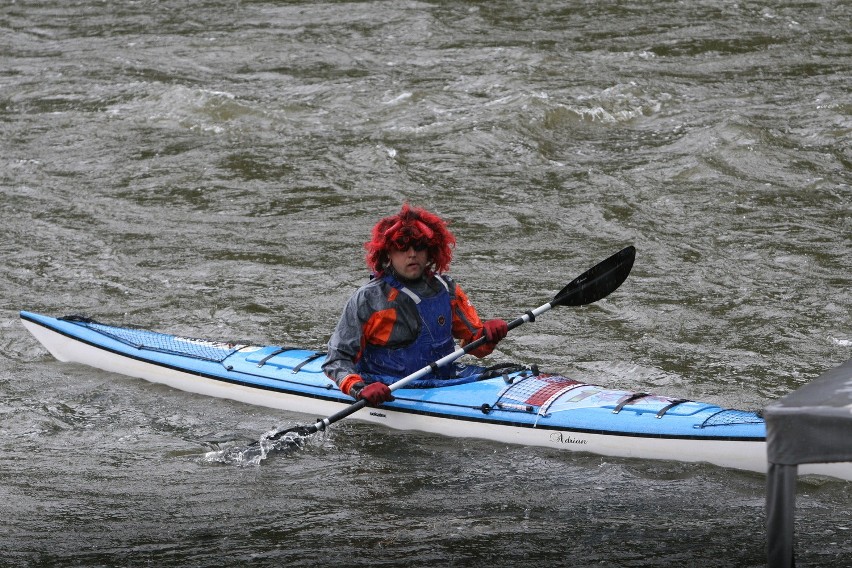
(810, 425)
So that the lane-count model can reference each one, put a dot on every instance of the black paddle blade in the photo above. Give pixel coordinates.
(298, 430)
(599, 281)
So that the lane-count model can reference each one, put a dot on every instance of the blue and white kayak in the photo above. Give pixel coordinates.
(518, 406)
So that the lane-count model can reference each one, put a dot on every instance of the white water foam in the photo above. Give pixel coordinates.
(253, 455)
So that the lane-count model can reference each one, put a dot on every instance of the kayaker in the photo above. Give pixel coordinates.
(408, 315)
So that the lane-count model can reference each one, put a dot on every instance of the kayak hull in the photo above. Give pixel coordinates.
(572, 417)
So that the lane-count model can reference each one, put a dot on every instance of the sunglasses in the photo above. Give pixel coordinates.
(406, 243)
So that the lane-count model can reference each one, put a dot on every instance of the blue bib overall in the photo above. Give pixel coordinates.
(434, 341)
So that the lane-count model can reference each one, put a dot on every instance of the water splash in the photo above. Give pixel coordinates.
(253, 454)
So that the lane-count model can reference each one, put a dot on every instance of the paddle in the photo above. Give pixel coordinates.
(594, 284)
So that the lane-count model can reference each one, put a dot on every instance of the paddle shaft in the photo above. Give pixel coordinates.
(591, 286)
(324, 423)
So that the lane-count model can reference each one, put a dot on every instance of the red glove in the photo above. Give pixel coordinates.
(374, 393)
(495, 330)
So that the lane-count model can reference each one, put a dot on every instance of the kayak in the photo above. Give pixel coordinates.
(507, 404)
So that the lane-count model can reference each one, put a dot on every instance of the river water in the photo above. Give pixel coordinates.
(211, 168)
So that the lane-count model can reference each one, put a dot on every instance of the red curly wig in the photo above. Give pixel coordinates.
(411, 223)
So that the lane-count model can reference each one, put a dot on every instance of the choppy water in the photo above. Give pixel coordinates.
(212, 168)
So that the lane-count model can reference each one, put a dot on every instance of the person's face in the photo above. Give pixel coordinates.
(411, 262)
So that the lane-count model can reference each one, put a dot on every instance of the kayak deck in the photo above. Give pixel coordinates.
(520, 398)
(516, 407)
